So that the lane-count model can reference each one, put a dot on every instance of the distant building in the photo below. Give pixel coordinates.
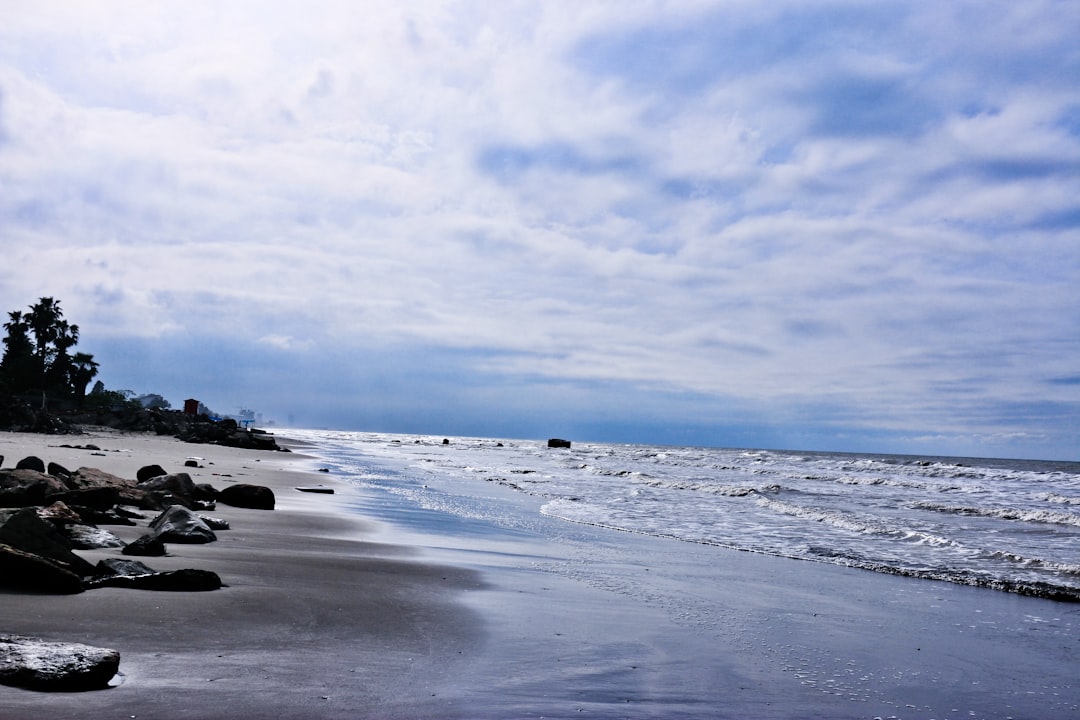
(191, 407)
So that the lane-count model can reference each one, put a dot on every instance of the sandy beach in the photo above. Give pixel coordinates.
(314, 621)
(352, 605)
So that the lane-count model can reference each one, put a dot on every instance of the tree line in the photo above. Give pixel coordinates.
(39, 358)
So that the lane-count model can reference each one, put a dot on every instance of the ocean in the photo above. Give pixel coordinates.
(1005, 525)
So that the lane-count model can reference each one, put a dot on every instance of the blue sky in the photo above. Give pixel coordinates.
(806, 225)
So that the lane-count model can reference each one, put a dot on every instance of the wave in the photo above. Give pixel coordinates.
(854, 523)
(712, 488)
(1033, 516)
(1060, 499)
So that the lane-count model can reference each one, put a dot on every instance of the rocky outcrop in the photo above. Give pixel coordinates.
(84, 537)
(39, 665)
(243, 495)
(179, 525)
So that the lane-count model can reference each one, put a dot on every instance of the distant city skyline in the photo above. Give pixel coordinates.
(804, 225)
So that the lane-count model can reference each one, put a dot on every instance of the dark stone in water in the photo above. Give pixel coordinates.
(558, 443)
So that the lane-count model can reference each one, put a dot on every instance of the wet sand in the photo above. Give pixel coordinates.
(357, 605)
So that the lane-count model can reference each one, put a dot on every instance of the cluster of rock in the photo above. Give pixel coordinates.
(48, 512)
(19, 416)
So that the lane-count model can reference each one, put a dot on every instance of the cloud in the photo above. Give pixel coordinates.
(826, 214)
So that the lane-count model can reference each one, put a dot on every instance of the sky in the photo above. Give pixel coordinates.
(803, 225)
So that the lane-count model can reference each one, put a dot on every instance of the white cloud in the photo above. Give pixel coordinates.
(781, 205)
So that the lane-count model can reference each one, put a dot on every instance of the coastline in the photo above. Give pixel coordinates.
(359, 605)
(314, 621)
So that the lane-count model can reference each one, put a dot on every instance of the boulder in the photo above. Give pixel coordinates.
(20, 488)
(187, 580)
(179, 486)
(59, 514)
(122, 566)
(256, 497)
(27, 572)
(214, 523)
(39, 665)
(113, 516)
(84, 537)
(145, 546)
(149, 471)
(180, 525)
(57, 470)
(31, 462)
(205, 492)
(25, 531)
(99, 498)
(558, 443)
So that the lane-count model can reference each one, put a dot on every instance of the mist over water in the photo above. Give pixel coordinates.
(1012, 525)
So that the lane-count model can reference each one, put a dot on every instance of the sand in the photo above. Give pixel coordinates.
(356, 605)
(314, 621)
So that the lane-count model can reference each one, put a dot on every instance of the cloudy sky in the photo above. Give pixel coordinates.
(807, 225)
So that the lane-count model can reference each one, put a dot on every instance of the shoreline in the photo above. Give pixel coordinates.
(362, 605)
(314, 620)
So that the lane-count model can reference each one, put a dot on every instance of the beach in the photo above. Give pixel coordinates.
(357, 605)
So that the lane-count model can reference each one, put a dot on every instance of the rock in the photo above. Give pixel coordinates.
(25, 531)
(84, 537)
(179, 485)
(191, 463)
(558, 443)
(113, 516)
(27, 572)
(149, 471)
(127, 490)
(316, 489)
(145, 546)
(205, 492)
(31, 462)
(122, 566)
(59, 514)
(58, 471)
(35, 664)
(187, 580)
(256, 497)
(99, 498)
(180, 525)
(20, 488)
(213, 523)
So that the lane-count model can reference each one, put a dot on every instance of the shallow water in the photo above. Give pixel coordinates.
(1008, 524)
(586, 620)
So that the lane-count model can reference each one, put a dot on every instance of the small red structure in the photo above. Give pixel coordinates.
(191, 407)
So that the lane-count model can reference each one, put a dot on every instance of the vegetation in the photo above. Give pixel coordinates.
(38, 355)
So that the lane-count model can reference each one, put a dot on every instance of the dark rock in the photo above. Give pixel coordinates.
(558, 443)
(99, 498)
(179, 485)
(187, 580)
(31, 462)
(145, 546)
(58, 471)
(35, 664)
(112, 516)
(122, 566)
(256, 497)
(445, 441)
(20, 488)
(25, 531)
(84, 537)
(59, 514)
(127, 490)
(316, 489)
(149, 471)
(214, 523)
(205, 491)
(180, 525)
(191, 463)
(20, 570)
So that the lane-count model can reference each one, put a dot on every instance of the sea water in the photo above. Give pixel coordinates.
(1011, 525)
